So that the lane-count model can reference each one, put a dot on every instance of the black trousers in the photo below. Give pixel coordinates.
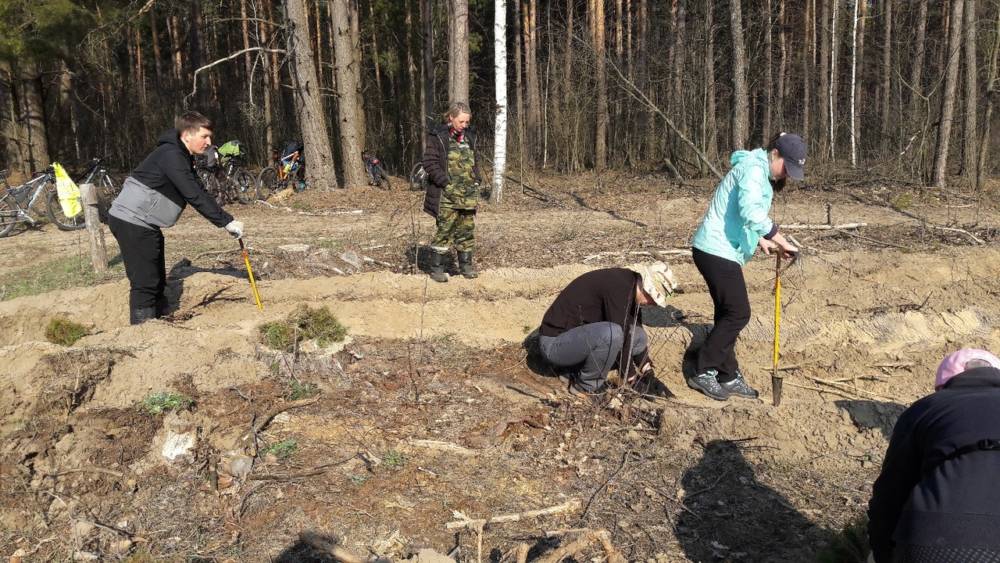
(145, 263)
(732, 312)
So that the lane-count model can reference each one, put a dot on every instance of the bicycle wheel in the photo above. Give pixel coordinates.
(8, 215)
(243, 186)
(60, 219)
(267, 182)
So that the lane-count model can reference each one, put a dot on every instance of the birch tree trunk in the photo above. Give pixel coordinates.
(854, 81)
(347, 96)
(500, 68)
(320, 171)
(971, 92)
(948, 98)
(740, 117)
(458, 52)
(834, 44)
(825, 41)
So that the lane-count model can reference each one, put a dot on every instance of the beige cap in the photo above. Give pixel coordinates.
(657, 281)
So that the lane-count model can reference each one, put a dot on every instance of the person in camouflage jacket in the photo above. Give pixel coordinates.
(453, 190)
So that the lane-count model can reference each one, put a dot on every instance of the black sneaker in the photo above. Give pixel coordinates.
(708, 383)
(740, 387)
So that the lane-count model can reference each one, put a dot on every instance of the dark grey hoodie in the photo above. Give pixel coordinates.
(159, 189)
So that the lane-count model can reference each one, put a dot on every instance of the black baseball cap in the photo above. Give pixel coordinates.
(792, 148)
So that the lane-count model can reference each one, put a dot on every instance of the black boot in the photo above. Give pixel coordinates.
(465, 265)
(141, 315)
(437, 267)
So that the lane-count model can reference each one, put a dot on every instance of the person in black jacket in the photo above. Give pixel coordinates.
(153, 197)
(936, 499)
(453, 190)
(596, 319)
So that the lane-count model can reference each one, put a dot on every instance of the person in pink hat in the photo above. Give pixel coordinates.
(937, 497)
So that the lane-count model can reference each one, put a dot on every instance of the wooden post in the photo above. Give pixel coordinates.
(98, 252)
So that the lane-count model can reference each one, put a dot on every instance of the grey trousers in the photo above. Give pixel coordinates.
(594, 348)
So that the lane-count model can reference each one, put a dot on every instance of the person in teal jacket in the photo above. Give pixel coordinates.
(735, 225)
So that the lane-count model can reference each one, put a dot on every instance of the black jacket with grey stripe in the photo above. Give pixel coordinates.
(163, 184)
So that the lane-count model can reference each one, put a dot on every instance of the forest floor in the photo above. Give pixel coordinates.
(434, 405)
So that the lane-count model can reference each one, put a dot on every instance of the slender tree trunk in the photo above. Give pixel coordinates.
(533, 88)
(66, 105)
(458, 52)
(916, 71)
(740, 111)
(834, 47)
(807, 66)
(569, 137)
(155, 40)
(991, 93)
(601, 131)
(823, 93)
(768, 71)
(779, 106)
(948, 98)
(375, 57)
(519, 49)
(971, 92)
(347, 88)
(320, 172)
(33, 109)
(248, 57)
(140, 73)
(177, 56)
(262, 35)
(857, 52)
(886, 87)
(427, 68)
(194, 36)
(355, 21)
(710, 120)
(500, 72)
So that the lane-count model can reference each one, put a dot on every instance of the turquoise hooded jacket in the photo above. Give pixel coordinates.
(738, 214)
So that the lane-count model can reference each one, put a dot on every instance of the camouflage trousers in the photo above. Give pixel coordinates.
(455, 227)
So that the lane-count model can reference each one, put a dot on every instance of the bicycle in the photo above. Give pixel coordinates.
(16, 203)
(227, 180)
(277, 177)
(376, 174)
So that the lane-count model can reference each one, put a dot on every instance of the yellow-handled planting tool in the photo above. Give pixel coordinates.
(253, 283)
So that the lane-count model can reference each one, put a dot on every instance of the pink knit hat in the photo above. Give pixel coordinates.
(955, 363)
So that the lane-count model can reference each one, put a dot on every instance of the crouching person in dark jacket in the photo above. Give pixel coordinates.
(595, 324)
(453, 190)
(937, 498)
(152, 198)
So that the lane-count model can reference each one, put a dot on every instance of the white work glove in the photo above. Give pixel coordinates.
(235, 228)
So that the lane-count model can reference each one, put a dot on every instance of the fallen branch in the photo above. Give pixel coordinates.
(586, 539)
(269, 416)
(974, 238)
(87, 470)
(821, 227)
(468, 523)
(822, 390)
(847, 389)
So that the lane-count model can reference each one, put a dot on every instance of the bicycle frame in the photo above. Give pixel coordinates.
(14, 194)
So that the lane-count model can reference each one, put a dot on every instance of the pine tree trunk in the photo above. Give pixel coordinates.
(33, 109)
(533, 88)
(14, 136)
(155, 40)
(320, 172)
(824, 78)
(948, 98)
(427, 68)
(139, 72)
(971, 92)
(318, 21)
(519, 49)
(355, 20)
(262, 35)
(709, 120)
(347, 88)
(782, 66)
(740, 111)
(991, 93)
(601, 130)
(458, 52)
(768, 72)
(175, 47)
(916, 71)
(886, 86)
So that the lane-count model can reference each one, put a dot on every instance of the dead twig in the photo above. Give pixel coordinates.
(821, 227)
(100, 470)
(468, 523)
(586, 539)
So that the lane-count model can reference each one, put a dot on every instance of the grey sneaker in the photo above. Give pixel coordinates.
(708, 383)
(740, 387)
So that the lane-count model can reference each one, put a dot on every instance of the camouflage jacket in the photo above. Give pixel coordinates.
(436, 161)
